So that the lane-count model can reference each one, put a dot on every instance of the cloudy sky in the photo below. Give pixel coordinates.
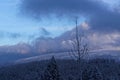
(25, 20)
(15, 28)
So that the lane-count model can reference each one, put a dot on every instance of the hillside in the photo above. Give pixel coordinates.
(109, 54)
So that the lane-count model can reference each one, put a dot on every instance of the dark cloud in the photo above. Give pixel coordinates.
(44, 32)
(97, 13)
(41, 8)
(106, 21)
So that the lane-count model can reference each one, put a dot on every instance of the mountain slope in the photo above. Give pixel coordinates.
(109, 54)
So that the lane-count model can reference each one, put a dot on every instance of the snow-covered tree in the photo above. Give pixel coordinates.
(91, 73)
(51, 72)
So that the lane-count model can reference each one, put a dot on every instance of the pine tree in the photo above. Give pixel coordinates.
(91, 73)
(51, 72)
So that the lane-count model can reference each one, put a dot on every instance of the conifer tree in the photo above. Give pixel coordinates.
(51, 72)
(91, 73)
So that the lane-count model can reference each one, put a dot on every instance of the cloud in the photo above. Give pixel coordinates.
(97, 13)
(107, 20)
(44, 32)
(85, 26)
(102, 22)
(95, 40)
(9, 35)
(61, 7)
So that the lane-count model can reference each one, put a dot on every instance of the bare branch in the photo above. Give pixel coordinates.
(79, 49)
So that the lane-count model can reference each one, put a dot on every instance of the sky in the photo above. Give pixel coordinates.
(19, 23)
(15, 28)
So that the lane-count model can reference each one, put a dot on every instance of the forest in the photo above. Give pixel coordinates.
(54, 69)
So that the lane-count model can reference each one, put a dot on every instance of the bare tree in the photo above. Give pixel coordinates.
(79, 46)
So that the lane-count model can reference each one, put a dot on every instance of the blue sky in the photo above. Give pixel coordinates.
(15, 28)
